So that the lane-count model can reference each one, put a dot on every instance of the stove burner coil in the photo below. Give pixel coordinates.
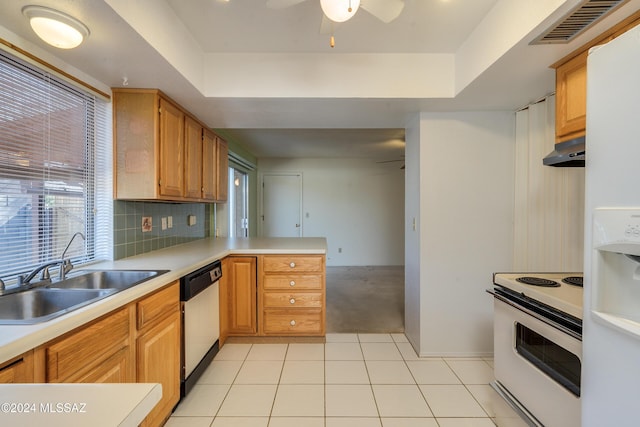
(538, 281)
(573, 280)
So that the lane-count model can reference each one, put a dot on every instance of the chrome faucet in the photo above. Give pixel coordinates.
(66, 265)
(26, 280)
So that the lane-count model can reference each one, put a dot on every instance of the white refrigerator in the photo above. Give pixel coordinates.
(611, 324)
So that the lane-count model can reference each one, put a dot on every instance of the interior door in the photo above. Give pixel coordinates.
(282, 205)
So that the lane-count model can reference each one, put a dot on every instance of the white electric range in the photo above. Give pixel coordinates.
(538, 345)
(565, 295)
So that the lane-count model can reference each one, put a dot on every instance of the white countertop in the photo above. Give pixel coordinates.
(180, 260)
(69, 405)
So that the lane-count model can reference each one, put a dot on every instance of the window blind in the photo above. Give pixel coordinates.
(52, 137)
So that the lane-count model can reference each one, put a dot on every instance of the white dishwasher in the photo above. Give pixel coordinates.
(200, 322)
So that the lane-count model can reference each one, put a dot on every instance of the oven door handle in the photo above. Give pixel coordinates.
(535, 315)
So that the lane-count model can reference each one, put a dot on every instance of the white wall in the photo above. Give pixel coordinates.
(357, 204)
(412, 301)
(549, 201)
(465, 228)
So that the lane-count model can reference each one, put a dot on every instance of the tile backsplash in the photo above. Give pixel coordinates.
(129, 239)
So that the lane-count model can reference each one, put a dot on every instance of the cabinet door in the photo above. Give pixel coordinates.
(17, 370)
(113, 370)
(241, 283)
(222, 187)
(209, 166)
(158, 354)
(171, 150)
(76, 355)
(193, 159)
(571, 98)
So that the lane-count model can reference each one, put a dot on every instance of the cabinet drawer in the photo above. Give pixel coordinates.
(293, 299)
(292, 263)
(88, 347)
(293, 322)
(18, 370)
(158, 305)
(293, 281)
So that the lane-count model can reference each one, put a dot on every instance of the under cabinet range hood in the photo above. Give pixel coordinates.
(567, 154)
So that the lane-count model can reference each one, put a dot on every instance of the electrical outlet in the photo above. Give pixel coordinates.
(170, 221)
(164, 223)
(191, 220)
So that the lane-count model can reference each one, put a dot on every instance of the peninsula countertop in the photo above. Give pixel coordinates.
(69, 405)
(179, 260)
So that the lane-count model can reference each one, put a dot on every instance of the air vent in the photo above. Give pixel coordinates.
(578, 20)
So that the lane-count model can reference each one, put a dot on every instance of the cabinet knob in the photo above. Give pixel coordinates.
(292, 323)
(292, 283)
(292, 264)
(292, 301)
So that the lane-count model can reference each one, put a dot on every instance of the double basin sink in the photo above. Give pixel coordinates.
(83, 287)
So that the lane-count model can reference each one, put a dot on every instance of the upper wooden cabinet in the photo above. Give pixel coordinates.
(571, 83)
(171, 147)
(164, 153)
(193, 171)
(571, 98)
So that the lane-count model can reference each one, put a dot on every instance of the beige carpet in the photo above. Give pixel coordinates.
(365, 299)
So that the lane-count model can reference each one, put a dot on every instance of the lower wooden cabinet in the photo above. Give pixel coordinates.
(291, 295)
(140, 342)
(158, 361)
(17, 370)
(80, 356)
(116, 369)
(239, 285)
(272, 295)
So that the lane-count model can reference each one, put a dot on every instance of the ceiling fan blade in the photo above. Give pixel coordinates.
(384, 10)
(281, 4)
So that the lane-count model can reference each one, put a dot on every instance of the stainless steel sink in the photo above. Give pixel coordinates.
(39, 305)
(105, 279)
(83, 287)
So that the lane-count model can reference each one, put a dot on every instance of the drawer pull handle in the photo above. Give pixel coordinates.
(292, 283)
(292, 301)
(292, 323)
(292, 264)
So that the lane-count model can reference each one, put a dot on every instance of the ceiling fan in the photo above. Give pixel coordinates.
(393, 161)
(336, 11)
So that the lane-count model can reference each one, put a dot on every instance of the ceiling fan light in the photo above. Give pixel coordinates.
(56, 28)
(339, 10)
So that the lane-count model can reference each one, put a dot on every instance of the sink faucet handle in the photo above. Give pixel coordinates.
(65, 267)
(45, 274)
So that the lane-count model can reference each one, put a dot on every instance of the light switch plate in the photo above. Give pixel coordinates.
(164, 223)
(191, 220)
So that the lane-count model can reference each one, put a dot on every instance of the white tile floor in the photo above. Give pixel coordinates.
(354, 380)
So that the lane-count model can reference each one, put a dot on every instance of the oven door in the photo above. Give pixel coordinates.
(538, 365)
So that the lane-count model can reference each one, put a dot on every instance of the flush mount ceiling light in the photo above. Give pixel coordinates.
(56, 28)
(339, 10)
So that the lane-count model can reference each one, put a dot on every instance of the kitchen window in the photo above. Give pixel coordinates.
(54, 155)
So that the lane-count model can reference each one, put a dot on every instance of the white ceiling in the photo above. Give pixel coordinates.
(270, 81)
